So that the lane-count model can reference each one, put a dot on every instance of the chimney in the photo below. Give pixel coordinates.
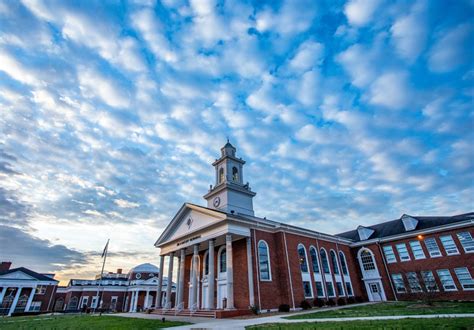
(119, 270)
(5, 265)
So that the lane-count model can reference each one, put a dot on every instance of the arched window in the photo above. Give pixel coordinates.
(264, 261)
(206, 263)
(235, 174)
(73, 303)
(314, 259)
(342, 257)
(335, 266)
(221, 175)
(222, 261)
(367, 260)
(303, 260)
(324, 261)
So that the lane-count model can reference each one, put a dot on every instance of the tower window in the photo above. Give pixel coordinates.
(221, 175)
(235, 174)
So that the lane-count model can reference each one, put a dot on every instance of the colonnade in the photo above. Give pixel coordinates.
(19, 289)
(194, 280)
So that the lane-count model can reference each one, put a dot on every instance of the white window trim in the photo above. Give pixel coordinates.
(322, 287)
(395, 285)
(437, 245)
(452, 278)
(449, 253)
(393, 252)
(333, 288)
(343, 288)
(424, 280)
(352, 288)
(327, 259)
(219, 252)
(269, 261)
(464, 248)
(399, 255)
(306, 258)
(459, 280)
(339, 271)
(310, 287)
(413, 251)
(345, 262)
(317, 260)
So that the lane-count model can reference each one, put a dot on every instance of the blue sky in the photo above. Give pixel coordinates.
(347, 112)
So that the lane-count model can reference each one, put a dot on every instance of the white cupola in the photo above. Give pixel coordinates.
(229, 193)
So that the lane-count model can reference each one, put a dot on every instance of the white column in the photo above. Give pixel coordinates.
(15, 301)
(160, 283)
(135, 302)
(169, 285)
(2, 293)
(178, 284)
(182, 264)
(30, 299)
(250, 271)
(230, 272)
(194, 273)
(130, 302)
(145, 304)
(210, 278)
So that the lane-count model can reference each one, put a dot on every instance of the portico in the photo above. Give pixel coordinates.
(18, 288)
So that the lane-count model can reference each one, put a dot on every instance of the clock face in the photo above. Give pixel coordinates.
(217, 201)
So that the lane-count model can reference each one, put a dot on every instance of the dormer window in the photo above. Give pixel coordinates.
(364, 233)
(409, 222)
(235, 174)
(221, 175)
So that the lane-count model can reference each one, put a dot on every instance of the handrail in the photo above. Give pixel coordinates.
(166, 307)
(179, 308)
(193, 308)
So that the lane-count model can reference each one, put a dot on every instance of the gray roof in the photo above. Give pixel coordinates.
(395, 227)
(38, 276)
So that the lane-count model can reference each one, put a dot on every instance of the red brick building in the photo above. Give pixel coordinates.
(228, 259)
(23, 290)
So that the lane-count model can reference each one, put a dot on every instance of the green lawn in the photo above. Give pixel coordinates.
(393, 308)
(82, 322)
(424, 324)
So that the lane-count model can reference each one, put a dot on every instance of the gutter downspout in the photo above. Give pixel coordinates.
(289, 271)
(386, 270)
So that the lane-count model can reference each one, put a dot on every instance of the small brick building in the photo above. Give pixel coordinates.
(228, 259)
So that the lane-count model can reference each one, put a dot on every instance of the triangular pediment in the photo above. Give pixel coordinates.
(189, 219)
(18, 275)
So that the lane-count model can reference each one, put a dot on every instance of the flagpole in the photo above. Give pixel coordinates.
(99, 295)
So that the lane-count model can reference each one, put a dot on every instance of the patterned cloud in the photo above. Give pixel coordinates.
(347, 113)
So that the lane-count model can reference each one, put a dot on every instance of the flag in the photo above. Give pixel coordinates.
(105, 249)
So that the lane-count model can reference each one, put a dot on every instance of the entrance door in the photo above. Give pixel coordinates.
(375, 291)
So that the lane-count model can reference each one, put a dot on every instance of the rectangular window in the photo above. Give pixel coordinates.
(429, 280)
(349, 289)
(446, 280)
(398, 283)
(417, 250)
(449, 245)
(389, 254)
(413, 282)
(340, 289)
(466, 241)
(94, 302)
(330, 288)
(403, 252)
(35, 306)
(319, 289)
(432, 247)
(40, 289)
(464, 278)
(308, 293)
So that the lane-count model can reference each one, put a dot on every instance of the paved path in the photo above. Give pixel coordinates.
(231, 324)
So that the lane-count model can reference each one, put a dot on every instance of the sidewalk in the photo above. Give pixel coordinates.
(241, 324)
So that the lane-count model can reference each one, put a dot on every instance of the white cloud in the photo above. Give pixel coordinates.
(410, 32)
(358, 62)
(451, 50)
(360, 12)
(390, 90)
(308, 91)
(152, 30)
(308, 55)
(123, 203)
(17, 70)
(95, 84)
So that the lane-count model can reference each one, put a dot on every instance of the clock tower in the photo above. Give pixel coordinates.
(230, 194)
